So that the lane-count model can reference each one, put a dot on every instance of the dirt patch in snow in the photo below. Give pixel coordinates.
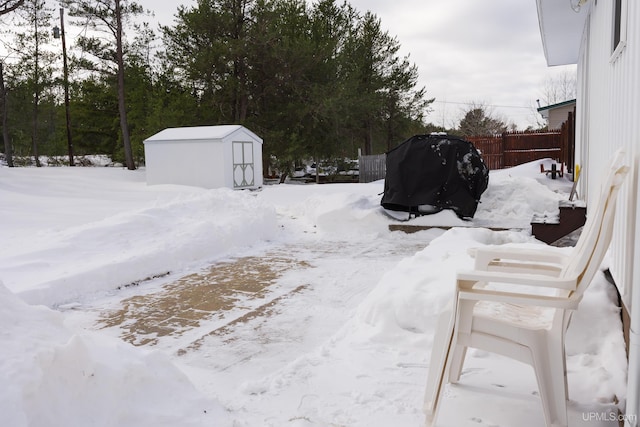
(191, 300)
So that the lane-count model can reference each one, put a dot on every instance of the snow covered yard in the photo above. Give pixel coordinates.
(337, 331)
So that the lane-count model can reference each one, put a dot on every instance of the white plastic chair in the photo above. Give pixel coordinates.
(502, 306)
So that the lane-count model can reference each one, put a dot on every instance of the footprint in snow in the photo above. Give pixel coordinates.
(481, 421)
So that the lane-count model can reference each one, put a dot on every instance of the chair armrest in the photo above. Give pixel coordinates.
(515, 267)
(493, 255)
(566, 303)
(466, 280)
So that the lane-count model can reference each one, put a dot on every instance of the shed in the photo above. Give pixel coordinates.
(557, 114)
(205, 156)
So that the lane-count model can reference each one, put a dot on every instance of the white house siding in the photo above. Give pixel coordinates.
(558, 116)
(608, 117)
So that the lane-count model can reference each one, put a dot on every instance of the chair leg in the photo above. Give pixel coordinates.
(438, 364)
(549, 366)
(463, 328)
(457, 362)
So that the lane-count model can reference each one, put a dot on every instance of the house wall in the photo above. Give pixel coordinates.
(558, 116)
(200, 163)
(608, 118)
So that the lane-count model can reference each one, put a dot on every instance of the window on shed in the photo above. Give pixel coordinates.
(619, 28)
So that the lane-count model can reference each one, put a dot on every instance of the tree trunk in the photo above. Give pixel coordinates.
(8, 150)
(36, 101)
(124, 126)
(239, 65)
(368, 139)
(389, 125)
(66, 90)
(34, 131)
(240, 93)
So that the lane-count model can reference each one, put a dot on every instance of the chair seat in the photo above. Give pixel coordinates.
(507, 314)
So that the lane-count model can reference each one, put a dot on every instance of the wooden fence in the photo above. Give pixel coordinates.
(515, 148)
(372, 168)
(568, 141)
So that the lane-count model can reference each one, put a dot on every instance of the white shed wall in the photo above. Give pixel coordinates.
(608, 117)
(257, 153)
(198, 163)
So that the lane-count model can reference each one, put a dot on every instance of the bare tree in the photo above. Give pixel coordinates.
(7, 6)
(559, 88)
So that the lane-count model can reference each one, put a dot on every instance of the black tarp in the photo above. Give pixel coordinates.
(428, 173)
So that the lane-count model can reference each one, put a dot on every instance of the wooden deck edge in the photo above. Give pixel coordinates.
(406, 228)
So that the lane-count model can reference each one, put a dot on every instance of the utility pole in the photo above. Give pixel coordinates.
(61, 34)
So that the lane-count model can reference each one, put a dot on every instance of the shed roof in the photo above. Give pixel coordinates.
(561, 27)
(558, 105)
(199, 133)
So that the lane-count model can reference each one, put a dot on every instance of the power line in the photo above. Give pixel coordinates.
(487, 105)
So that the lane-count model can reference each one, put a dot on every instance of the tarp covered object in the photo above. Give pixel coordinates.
(428, 173)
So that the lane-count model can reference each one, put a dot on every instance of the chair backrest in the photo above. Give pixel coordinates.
(598, 230)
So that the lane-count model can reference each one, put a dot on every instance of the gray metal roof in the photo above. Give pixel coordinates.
(196, 133)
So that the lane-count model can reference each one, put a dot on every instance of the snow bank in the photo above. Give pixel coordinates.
(408, 298)
(51, 376)
(345, 209)
(156, 233)
(347, 213)
(516, 200)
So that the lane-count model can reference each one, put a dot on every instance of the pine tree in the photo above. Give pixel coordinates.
(315, 80)
(34, 67)
(108, 17)
(477, 121)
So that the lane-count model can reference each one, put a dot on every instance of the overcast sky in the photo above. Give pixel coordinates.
(471, 51)
(467, 51)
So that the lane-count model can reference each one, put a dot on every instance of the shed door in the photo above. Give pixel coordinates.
(242, 164)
